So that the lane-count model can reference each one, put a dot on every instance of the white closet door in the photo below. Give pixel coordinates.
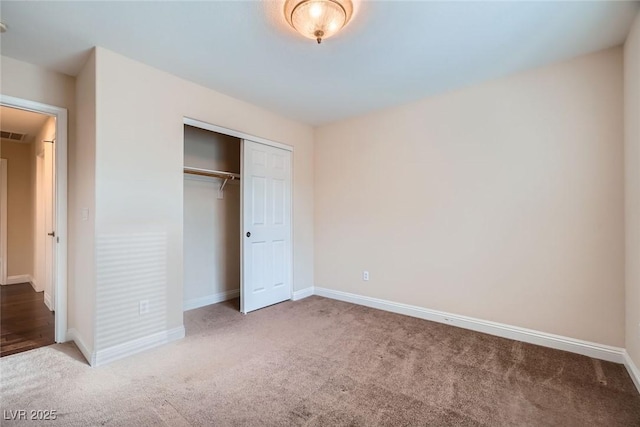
(266, 233)
(50, 221)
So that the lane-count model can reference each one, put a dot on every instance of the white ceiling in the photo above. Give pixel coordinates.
(391, 53)
(21, 121)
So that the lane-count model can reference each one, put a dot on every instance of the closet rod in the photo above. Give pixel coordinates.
(212, 173)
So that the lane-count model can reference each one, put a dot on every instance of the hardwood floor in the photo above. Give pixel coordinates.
(25, 321)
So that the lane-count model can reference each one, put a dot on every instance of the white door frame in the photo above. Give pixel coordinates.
(60, 249)
(242, 135)
(3, 222)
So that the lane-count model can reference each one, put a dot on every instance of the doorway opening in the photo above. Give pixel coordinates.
(237, 219)
(27, 183)
(211, 218)
(33, 169)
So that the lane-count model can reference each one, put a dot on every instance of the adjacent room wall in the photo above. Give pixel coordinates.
(19, 209)
(632, 189)
(211, 225)
(502, 201)
(140, 192)
(37, 168)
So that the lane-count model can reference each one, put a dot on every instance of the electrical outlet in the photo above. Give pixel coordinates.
(144, 306)
(365, 275)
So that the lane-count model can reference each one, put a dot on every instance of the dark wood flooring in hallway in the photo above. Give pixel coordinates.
(25, 321)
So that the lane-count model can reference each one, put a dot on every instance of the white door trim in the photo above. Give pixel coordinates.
(60, 251)
(3, 222)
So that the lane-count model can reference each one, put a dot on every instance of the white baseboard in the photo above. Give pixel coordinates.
(210, 299)
(633, 370)
(34, 285)
(23, 278)
(597, 351)
(108, 355)
(302, 293)
(73, 335)
(47, 301)
(20, 278)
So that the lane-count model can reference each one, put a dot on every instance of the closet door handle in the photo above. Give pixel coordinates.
(52, 234)
(248, 234)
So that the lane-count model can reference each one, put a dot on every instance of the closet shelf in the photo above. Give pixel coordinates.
(226, 176)
(212, 173)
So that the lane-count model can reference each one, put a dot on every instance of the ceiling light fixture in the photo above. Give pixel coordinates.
(318, 19)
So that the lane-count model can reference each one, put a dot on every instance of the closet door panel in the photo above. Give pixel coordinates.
(258, 202)
(267, 257)
(259, 266)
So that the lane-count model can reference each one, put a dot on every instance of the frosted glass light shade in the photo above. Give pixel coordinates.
(318, 19)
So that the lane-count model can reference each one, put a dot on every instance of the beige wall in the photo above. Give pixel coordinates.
(82, 196)
(632, 189)
(502, 201)
(139, 188)
(19, 208)
(211, 225)
(27, 81)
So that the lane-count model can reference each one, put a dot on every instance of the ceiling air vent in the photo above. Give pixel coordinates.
(13, 136)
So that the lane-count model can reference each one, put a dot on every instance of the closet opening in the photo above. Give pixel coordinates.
(237, 231)
(33, 223)
(211, 218)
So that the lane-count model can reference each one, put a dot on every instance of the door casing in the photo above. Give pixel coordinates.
(60, 208)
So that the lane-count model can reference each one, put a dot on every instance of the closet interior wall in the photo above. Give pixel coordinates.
(211, 224)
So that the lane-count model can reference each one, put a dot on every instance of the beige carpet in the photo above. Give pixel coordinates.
(322, 362)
